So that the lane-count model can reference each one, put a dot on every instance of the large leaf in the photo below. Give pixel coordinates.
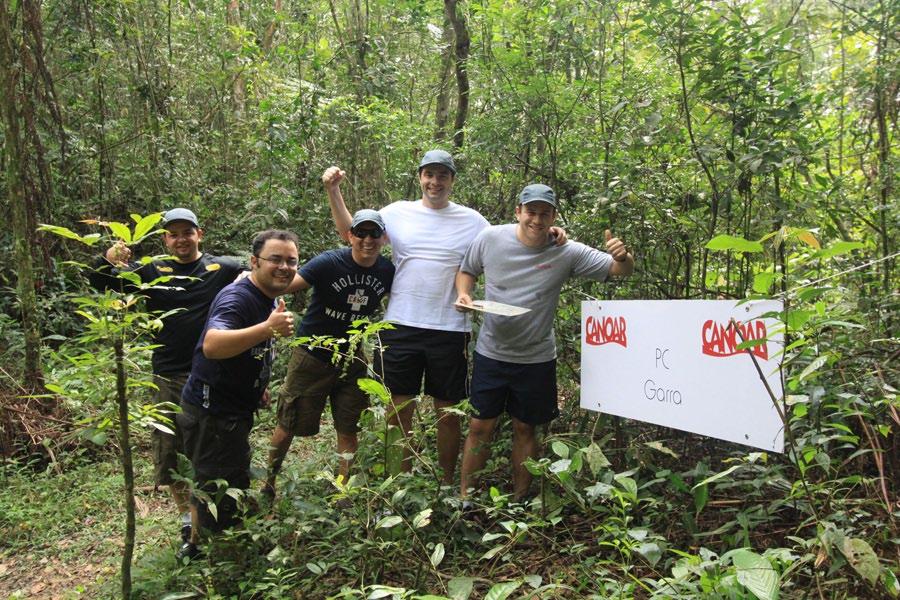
(120, 230)
(839, 248)
(388, 522)
(596, 459)
(733, 243)
(862, 558)
(756, 574)
(438, 555)
(718, 476)
(460, 588)
(501, 591)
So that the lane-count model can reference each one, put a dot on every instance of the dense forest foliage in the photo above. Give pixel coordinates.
(742, 148)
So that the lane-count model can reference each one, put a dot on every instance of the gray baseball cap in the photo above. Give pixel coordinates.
(538, 192)
(180, 214)
(367, 215)
(438, 157)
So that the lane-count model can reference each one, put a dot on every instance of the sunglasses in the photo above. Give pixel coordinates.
(364, 233)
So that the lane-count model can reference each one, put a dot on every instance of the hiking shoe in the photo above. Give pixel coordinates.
(185, 534)
(187, 553)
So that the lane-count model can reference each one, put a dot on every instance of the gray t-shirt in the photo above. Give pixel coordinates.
(531, 278)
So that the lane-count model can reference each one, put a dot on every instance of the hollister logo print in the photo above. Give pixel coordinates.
(605, 330)
(722, 339)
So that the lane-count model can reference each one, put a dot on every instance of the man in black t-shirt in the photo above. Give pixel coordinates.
(348, 284)
(198, 277)
(229, 376)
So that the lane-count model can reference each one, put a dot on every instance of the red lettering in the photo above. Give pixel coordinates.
(722, 340)
(605, 330)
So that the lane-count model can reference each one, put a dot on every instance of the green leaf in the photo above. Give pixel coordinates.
(659, 447)
(534, 581)
(733, 243)
(422, 519)
(862, 558)
(180, 596)
(838, 248)
(438, 555)
(460, 588)
(651, 551)
(120, 230)
(891, 584)
(596, 459)
(388, 522)
(374, 388)
(501, 591)
(763, 281)
(756, 574)
(813, 367)
(701, 495)
(718, 476)
(145, 225)
(65, 232)
(560, 449)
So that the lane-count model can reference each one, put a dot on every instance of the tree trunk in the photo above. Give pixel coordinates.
(442, 108)
(238, 86)
(15, 105)
(461, 33)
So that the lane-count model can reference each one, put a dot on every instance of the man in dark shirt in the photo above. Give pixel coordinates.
(229, 376)
(348, 284)
(198, 277)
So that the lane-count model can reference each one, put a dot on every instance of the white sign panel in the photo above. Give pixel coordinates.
(675, 363)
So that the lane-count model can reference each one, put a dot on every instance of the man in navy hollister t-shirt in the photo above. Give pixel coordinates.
(348, 284)
(229, 376)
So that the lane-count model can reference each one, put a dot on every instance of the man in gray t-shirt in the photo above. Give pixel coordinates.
(515, 357)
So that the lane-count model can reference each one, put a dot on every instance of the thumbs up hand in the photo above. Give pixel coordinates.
(615, 247)
(281, 321)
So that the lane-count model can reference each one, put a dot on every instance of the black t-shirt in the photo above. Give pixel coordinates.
(233, 386)
(180, 331)
(343, 292)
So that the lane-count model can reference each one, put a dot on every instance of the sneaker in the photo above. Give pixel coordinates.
(185, 533)
(187, 553)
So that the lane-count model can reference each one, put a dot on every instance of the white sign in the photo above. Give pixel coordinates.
(675, 363)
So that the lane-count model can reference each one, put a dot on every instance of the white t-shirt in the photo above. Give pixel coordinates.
(428, 246)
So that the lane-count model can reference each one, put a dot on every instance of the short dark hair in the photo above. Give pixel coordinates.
(272, 234)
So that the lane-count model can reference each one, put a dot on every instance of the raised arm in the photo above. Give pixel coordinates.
(623, 261)
(219, 344)
(332, 178)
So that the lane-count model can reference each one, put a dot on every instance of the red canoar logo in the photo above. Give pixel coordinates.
(605, 330)
(722, 340)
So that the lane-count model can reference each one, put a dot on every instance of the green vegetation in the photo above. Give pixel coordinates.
(742, 148)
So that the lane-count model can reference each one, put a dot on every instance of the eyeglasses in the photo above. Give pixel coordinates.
(364, 233)
(280, 260)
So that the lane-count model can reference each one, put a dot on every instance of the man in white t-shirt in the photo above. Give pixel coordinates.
(429, 238)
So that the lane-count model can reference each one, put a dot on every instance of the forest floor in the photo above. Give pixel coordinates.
(62, 531)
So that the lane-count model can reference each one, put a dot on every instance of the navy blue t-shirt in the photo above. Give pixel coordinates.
(232, 386)
(343, 292)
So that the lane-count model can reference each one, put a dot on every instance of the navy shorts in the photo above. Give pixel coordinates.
(408, 354)
(526, 391)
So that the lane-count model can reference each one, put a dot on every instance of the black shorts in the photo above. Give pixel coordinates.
(218, 448)
(526, 391)
(409, 353)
